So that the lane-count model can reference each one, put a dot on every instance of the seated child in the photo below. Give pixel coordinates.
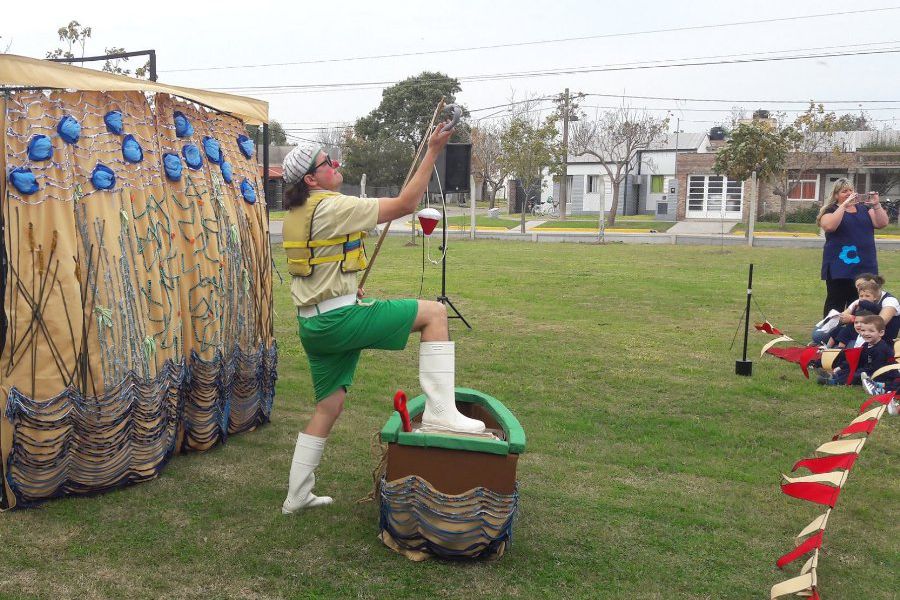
(875, 354)
(847, 336)
(887, 306)
(868, 301)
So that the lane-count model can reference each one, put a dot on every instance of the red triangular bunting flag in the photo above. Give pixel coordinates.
(826, 464)
(790, 354)
(767, 327)
(806, 356)
(881, 399)
(862, 427)
(819, 493)
(851, 355)
(811, 543)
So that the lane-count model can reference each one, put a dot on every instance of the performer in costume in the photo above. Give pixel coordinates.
(323, 233)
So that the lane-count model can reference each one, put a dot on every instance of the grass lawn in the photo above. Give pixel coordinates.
(631, 222)
(892, 229)
(483, 221)
(651, 470)
(277, 215)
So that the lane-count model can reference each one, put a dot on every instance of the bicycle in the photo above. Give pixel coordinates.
(546, 209)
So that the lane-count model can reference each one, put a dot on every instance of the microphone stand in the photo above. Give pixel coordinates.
(443, 299)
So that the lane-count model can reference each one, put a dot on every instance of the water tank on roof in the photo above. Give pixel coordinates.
(760, 114)
(717, 133)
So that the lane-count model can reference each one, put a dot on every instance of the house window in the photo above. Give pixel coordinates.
(712, 193)
(594, 184)
(696, 192)
(657, 184)
(804, 188)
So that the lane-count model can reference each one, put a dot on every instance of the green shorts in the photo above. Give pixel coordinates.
(334, 340)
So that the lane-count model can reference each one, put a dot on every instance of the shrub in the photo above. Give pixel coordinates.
(805, 214)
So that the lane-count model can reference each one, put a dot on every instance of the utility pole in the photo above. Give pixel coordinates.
(564, 182)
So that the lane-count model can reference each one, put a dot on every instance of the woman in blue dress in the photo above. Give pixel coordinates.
(849, 222)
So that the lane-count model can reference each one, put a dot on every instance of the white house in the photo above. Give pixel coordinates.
(649, 184)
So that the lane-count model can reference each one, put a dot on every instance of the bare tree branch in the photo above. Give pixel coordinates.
(614, 139)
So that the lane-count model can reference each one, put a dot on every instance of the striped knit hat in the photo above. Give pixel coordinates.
(298, 162)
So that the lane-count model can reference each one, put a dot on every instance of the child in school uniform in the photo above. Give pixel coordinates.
(847, 336)
(876, 353)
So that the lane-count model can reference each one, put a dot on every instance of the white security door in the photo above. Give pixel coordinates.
(714, 197)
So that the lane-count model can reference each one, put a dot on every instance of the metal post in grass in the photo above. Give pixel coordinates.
(751, 214)
(745, 367)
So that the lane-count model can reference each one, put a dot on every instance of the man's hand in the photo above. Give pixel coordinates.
(360, 293)
(439, 138)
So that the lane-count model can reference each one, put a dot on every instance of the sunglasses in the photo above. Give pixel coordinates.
(331, 163)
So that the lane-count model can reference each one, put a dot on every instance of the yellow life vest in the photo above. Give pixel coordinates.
(301, 250)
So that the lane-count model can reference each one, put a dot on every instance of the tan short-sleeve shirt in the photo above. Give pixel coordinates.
(336, 215)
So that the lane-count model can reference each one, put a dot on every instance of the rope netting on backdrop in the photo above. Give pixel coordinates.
(138, 292)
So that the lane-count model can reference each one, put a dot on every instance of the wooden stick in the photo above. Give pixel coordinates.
(409, 175)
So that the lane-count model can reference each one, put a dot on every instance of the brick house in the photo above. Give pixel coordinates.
(702, 194)
(645, 188)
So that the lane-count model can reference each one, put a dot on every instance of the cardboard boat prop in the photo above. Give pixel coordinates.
(451, 495)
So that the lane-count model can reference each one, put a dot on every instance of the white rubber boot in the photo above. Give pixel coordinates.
(437, 370)
(307, 454)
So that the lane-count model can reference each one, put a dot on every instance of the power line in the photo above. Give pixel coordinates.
(756, 101)
(682, 109)
(306, 88)
(539, 42)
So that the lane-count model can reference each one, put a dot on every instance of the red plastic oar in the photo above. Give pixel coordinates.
(400, 407)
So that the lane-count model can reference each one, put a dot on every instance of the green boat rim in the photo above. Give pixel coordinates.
(392, 432)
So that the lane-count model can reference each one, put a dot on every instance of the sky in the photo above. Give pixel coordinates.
(353, 49)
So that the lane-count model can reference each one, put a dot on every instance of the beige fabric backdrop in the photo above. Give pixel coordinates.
(33, 72)
(112, 288)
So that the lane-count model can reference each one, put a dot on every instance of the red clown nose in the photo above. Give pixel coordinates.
(429, 218)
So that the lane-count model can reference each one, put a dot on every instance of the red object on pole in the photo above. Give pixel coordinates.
(851, 355)
(881, 399)
(819, 493)
(768, 328)
(428, 219)
(400, 407)
(806, 356)
(811, 543)
(863, 427)
(826, 464)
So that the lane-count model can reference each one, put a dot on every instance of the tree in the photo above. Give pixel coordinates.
(757, 146)
(115, 65)
(849, 122)
(812, 142)
(74, 35)
(780, 154)
(277, 135)
(334, 139)
(487, 163)
(614, 139)
(385, 141)
(525, 144)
